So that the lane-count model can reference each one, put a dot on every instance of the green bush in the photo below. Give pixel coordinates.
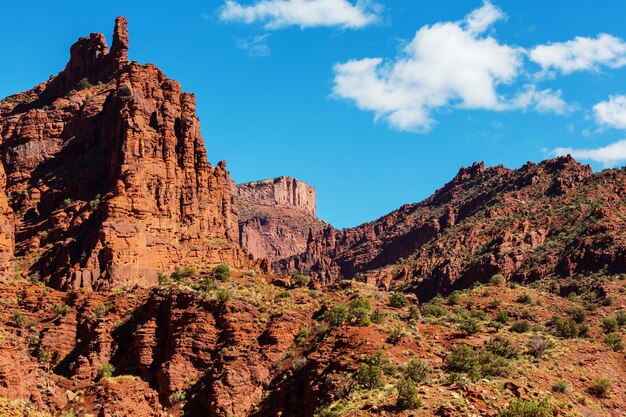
(83, 84)
(609, 324)
(577, 314)
(336, 316)
(502, 316)
(407, 394)
(469, 326)
(417, 370)
(502, 346)
(163, 279)
(527, 408)
(370, 376)
(397, 300)
(60, 310)
(520, 326)
(435, 310)
(224, 295)
(614, 342)
(359, 312)
(377, 316)
(601, 387)
(100, 310)
(396, 334)
(300, 280)
(105, 370)
(177, 397)
(454, 298)
(565, 328)
(492, 365)
(524, 298)
(222, 272)
(620, 318)
(560, 386)
(463, 358)
(302, 336)
(18, 319)
(414, 313)
(182, 274)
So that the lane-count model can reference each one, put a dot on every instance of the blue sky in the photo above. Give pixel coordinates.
(375, 103)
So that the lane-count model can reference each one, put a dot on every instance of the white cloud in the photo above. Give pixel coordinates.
(481, 19)
(543, 101)
(446, 64)
(581, 54)
(275, 14)
(612, 112)
(609, 156)
(255, 46)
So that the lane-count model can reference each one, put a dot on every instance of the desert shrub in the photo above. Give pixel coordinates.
(336, 315)
(407, 394)
(609, 324)
(182, 274)
(414, 313)
(520, 326)
(492, 365)
(177, 397)
(334, 411)
(43, 356)
(105, 370)
(502, 346)
(60, 310)
(614, 342)
(395, 336)
(565, 328)
(560, 386)
(222, 272)
(454, 298)
(377, 316)
(100, 310)
(620, 318)
(370, 376)
(463, 358)
(524, 298)
(359, 312)
(18, 319)
(434, 309)
(502, 316)
(417, 370)
(397, 300)
(601, 387)
(300, 280)
(497, 279)
(83, 84)
(301, 336)
(537, 346)
(577, 314)
(163, 279)
(223, 295)
(527, 408)
(469, 326)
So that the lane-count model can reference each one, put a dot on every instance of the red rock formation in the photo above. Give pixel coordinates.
(276, 217)
(7, 225)
(108, 174)
(556, 218)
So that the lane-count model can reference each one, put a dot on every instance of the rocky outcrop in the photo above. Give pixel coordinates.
(7, 225)
(108, 175)
(553, 219)
(276, 217)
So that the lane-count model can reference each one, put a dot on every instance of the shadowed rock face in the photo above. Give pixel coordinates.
(553, 219)
(107, 175)
(276, 217)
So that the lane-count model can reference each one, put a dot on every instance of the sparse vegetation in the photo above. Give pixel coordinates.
(105, 370)
(222, 272)
(527, 408)
(601, 387)
(407, 394)
(18, 319)
(397, 300)
(521, 326)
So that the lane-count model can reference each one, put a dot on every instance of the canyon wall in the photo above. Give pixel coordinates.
(108, 176)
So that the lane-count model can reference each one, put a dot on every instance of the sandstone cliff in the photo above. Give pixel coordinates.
(108, 176)
(276, 217)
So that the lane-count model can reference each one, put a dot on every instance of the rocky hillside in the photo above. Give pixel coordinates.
(553, 219)
(107, 178)
(276, 217)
